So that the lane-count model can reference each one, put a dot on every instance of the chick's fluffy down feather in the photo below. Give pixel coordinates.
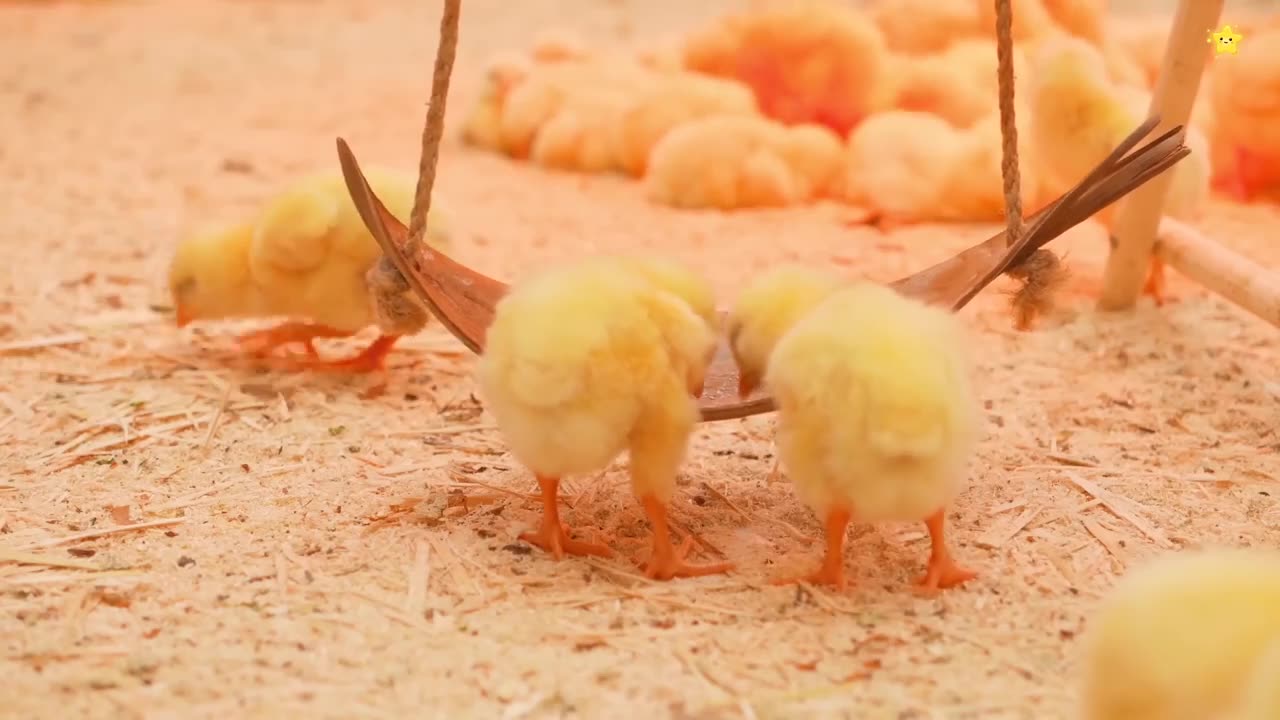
(896, 164)
(875, 408)
(742, 161)
(585, 361)
(305, 256)
(1180, 638)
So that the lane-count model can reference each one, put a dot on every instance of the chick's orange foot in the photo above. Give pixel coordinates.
(553, 535)
(289, 333)
(943, 572)
(1155, 284)
(371, 359)
(832, 571)
(668, 561)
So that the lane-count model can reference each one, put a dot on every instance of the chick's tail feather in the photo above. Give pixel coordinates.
(904, 425)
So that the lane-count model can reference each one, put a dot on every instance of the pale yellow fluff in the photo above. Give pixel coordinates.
(590, 359)
(741, 161)
(304, 256)
(1179, 638)
(1078, 116)
(896, 163)
(875, 410)
(1261, 697)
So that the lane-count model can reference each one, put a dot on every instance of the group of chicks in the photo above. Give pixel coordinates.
(891, 108)
(877, 418)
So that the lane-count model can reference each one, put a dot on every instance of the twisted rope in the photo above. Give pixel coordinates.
(433, 127)
(1010, 173)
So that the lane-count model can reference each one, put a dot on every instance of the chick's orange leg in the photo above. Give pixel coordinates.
(1155, 281)
(370, 359)
(288, 333)
(553, 535)
(667, 561)
(832, 570)
(943, 571)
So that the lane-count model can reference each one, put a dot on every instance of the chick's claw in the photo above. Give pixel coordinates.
(554, 538)
(1154, 286)
(371, 359)
(944, 573)
(668, 562)
(289, 333)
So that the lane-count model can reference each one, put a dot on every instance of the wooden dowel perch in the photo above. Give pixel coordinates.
(1234, 277)
(1138, 215)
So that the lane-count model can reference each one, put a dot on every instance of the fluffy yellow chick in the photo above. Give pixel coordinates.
(675, 98)
(1261, 700)
(958, 84)
(1178, 638)
(483, 124)
(876, 420)
(973, 183)
(565, 87)
(1246, 101)
(1086, 19)
(896, 165)
(590, 359)
(742, 161)
(305, 257)
(1078, 116)
(814, 61)
(923, 27)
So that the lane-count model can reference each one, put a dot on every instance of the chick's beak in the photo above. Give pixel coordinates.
(697, 390)
(747, 383)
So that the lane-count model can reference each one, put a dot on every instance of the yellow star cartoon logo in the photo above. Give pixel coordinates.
(1225, 41)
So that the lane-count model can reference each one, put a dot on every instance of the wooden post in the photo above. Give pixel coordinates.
(1138, 216)
(1235, 277)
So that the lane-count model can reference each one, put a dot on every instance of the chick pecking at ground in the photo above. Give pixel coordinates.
(897, 165)
(1078, 116)
(876, 418)
(957, 84)
(729, 162)
(808, 61)
(304, 256)
(1246, 101)
(590, 359)
(1179, 638)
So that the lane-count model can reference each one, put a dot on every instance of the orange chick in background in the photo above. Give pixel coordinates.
(482, 126)
(807, 61)
(876, 418)
(593, 358)
(730, 162)
(973, 184)
(897, 164)
(923, 27)
(1245, 93)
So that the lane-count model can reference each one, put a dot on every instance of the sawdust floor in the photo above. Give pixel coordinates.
(258, 581)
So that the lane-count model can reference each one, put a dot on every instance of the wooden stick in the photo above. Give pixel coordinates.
(1235, 277)
(1138, 216)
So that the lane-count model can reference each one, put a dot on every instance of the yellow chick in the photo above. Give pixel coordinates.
(924, 27)
(896, 165)
(1078, 116)
(675, 98)
(1245, 94)
(1261, 699)
(958, 84)
(568, 86)
(305, 257)
(728, 162)
(973, 183)
(590, 359)
(808, 61)
(1086, 19)
(482, 126)
(876, 419)
(1178, 638)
